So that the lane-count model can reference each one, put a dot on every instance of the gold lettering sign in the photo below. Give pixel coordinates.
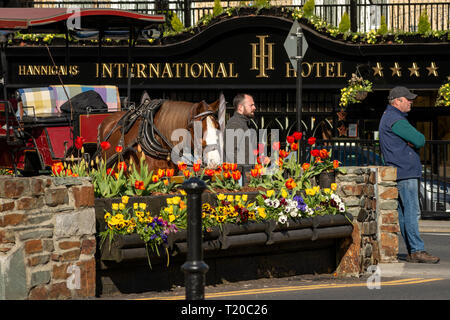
(168, 70)
(317, 70)
(262, 54)
(48, 70)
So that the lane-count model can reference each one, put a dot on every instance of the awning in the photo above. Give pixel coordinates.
(41, 20)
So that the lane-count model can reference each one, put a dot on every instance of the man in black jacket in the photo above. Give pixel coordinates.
(240, 140)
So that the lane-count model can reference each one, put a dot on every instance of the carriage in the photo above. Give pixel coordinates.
(39, 125)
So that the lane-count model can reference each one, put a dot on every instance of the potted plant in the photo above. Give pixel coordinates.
(356, 90)
(443, 98)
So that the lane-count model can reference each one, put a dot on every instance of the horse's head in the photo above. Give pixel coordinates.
(204, 114)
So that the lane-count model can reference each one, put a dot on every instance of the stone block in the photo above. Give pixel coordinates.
(6, 205)
(13, 277)
(76, 223)
(36, 234)
(40, 277)
(388, 193)
(12, 219)
(56, 196)
(387, 204)
(14, 188)
(389, 216)
(33, 246)
(83, 196)
(387, 174)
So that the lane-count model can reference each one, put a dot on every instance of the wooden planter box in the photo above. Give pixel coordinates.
(233, 252)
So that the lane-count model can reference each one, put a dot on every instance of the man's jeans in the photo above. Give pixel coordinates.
(409, 214)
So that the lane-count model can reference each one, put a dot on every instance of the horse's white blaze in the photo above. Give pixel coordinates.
(211, 138)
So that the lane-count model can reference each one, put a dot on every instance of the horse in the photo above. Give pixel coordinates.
(150, 127)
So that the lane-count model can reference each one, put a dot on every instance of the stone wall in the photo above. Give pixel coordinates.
(370, 194)
(47, 232)
(47, 238)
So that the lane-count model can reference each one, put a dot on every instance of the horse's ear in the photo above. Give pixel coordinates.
(144, 97)
(214, 106)
(201, 106)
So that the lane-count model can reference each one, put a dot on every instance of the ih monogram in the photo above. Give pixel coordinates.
(262, 56)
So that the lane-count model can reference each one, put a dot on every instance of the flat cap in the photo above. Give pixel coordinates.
(398, 92)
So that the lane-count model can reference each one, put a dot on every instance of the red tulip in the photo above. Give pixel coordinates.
(283, 154)
(290, 139)
(312, 141)
(79, 141)
(105, 145)
(119, 149)
(297, 135)
(110, 172)
(315, 153)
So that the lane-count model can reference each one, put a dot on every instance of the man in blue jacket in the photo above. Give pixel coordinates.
(400, 142)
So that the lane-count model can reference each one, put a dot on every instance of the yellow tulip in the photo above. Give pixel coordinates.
(125, 199)
(115, 206)
(121, 206)
(142, 205)
(284, 193)
(221, 197)
(230, 198)
(171, 217)
(244, 197)
(270, 193)
(169, 200)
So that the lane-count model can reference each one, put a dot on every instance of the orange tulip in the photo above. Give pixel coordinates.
(155, 178)
(139, 185)
(226, 174)
(283, 154)
(306, 166)
(255, 172)
(182, 166)
(323, 153)
(236, 175)
(186, 173)
(196, 167)
(233, 166)
(169, 172)
(122, 166)
(161, 173)
(119, 149)
(294, 146)
(335, 164)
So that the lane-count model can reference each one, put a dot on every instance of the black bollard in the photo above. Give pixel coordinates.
(194, 268)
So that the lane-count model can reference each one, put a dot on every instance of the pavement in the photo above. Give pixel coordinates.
(405, 269)
(436, 226)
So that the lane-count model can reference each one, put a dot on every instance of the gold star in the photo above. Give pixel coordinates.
(342, 130)
(396, 70)
(341, 115)
(378, 70)
(414, 70)
(432, 69)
